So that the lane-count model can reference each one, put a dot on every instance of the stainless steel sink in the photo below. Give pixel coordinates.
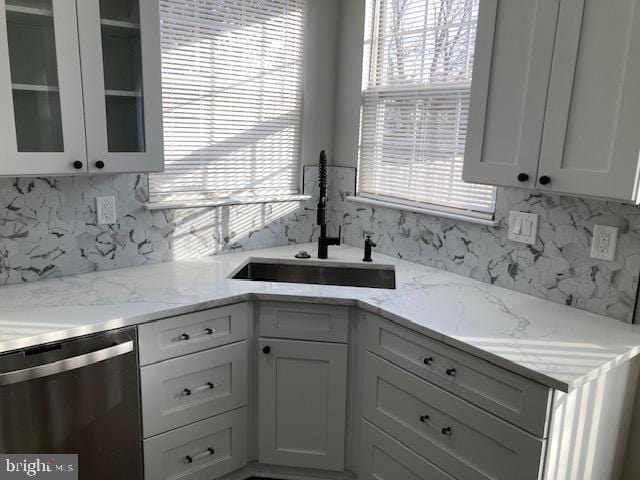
(378, 276)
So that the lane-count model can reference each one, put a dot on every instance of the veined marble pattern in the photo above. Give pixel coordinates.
(552, 344)
(557, 267)
(48, 227)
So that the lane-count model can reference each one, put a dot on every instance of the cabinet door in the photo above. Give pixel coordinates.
(42, 129)
(590, 143)
(514, 49)
(120, 52)
(302, 402)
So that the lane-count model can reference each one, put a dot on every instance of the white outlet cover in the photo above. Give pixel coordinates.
(106, 210)
(604, 242)
(523, 227)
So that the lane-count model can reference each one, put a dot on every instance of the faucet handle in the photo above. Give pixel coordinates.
(370, 242)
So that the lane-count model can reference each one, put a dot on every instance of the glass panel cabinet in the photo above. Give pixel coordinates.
(80, 87)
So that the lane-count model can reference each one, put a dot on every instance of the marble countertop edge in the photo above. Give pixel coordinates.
(536, 339)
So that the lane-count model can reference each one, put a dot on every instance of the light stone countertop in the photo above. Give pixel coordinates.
(556, 345)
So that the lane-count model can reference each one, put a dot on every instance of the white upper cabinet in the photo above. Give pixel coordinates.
(514, 48)
(120, 58)
(556, 97)
(42, 128)
(80, 87)
(590, 143)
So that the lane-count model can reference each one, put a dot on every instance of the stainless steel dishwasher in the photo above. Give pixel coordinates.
(78, 396)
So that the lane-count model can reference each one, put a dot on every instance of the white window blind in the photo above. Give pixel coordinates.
(416, 85)
(232, 98)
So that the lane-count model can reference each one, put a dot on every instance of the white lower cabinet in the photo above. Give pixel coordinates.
(302, 403)
(460, 438)
(186, 389)
(201, 451)
(383, 458)
(417, 409)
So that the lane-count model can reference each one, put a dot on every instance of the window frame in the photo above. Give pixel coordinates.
(374, 41)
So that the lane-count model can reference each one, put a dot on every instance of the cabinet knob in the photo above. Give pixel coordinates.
(100, 164)
(424, 418)
(451, 372)
(77, 164)
(186, 391)
(266, 350)
(427, 360)
(523, 177)
(446, 431)
(544, 180)
(184, 336)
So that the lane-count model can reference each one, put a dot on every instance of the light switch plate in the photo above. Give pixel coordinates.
(106, 210)
(604, 242)
(523, 227)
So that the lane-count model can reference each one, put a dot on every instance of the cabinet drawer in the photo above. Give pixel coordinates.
(383, 458)
(193, 332)
(201, 451)
(187, 389)
(461, 439)
(301, 321)
(519, 401)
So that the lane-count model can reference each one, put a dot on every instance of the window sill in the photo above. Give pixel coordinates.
(225, 202)
(479, 218)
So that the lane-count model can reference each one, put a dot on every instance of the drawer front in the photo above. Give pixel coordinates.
(519, 401)
(187, 389)
(201, 451)
(176, 336)
(301, 321)
(383, 458)
(461, 439)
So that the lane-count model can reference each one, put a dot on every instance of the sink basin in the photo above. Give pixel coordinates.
(378, 276)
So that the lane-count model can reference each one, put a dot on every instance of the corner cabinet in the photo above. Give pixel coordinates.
(555, 101)
(79, 87)
(302, 411)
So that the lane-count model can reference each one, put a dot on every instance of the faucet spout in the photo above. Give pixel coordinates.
(323, 240)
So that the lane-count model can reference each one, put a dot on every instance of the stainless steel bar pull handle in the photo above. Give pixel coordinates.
(206, 331)
(190, 459)
(66, 364)
(444, 430)
(207, 386)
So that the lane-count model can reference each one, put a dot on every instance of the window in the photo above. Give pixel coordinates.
(418, 59)
(232, 98)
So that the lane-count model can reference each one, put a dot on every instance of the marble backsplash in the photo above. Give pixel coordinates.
(48, 229)
(48, 226)
(557, 267)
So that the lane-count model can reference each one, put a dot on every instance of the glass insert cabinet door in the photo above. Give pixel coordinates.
(42, 129)
(120, 61)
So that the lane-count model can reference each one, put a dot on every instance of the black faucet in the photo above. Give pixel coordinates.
(368, 244)
(323, 240)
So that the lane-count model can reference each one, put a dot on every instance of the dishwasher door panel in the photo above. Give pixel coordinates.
(92, 410)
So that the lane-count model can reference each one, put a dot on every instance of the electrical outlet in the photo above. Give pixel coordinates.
(603, 245)
(106, 210)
